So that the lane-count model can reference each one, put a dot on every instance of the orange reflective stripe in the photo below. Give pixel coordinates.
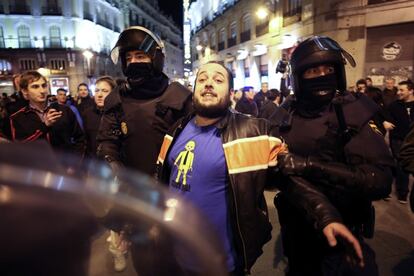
(164, 148)
(250, 154)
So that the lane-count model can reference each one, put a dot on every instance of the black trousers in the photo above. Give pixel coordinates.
(309, 253)
(401, 177)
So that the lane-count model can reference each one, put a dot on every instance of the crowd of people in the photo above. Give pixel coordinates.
(323, 147)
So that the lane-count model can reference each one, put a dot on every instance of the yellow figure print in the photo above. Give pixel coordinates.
(184, 163)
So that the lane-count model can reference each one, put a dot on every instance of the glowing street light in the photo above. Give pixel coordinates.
(262, 13)
(88, 55)
(199, 47)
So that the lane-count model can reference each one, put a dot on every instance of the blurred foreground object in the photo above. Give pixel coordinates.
(50, 207)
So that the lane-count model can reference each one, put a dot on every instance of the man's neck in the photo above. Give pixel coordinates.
(203, 121)
(39, 106)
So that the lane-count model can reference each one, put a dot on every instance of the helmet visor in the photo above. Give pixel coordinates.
(136, 38)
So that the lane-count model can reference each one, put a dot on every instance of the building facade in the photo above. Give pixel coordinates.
(70, 40)
(250, 37)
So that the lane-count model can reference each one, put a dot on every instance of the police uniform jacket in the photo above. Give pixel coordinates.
(351, 173)
(132, 129)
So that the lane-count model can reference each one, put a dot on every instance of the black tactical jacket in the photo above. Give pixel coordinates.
(131, 129)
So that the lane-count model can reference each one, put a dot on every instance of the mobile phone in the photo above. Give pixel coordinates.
(54, 105)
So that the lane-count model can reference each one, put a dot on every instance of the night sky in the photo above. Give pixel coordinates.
(173, 8)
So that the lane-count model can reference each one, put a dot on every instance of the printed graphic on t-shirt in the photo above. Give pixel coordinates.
(184, 164)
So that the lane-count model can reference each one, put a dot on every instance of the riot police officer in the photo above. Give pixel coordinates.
(140, 111)
(137, 115)
(332, 146)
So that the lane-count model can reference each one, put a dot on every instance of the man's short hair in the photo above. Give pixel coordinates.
(83, 84)
(368, 79)
(29, 77)
(361, 81)
(410, 84)
(109, 80)
(272, 94)
(229, 73)
(61, 90)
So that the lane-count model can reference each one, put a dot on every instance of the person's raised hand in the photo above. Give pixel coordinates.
(51, 117)
(335, 231)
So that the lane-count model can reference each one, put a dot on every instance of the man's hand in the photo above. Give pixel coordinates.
(51, 117)
(291, 164)
(336, 230)
(388, 126)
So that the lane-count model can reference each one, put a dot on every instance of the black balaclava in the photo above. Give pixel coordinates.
(318, 92)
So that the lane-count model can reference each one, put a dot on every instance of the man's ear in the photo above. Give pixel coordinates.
(24, 92)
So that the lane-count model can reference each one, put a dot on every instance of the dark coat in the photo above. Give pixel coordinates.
(132, 130)
(401, 119)
(247, 106)
(65, 134)
(91, 120)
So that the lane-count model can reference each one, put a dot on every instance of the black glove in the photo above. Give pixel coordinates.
(291, 164)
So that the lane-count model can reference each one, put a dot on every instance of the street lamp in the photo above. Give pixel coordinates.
(262, 13)
(199, 47)
(88, 55)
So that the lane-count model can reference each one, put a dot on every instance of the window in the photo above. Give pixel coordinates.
(233, 30)
(245, 26)
(292, 7)
(57, 64)
(87, 11)
(23, 34)
(222, 39)
(222, 36)
(2, 45)
(232, 35)
(246, 23)
(213, 41)
(27, 64)
(246, 67)
(52, 3)
(54, 33)
(5, 65)
(264, 68)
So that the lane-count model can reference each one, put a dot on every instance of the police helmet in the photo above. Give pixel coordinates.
(318, 50)
(142, 39)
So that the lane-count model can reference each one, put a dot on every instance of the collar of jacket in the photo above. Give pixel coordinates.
(220, 124)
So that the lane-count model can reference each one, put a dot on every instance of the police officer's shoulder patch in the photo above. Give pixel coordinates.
(124, 128)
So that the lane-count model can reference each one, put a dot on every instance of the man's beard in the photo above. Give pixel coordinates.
(212, 111)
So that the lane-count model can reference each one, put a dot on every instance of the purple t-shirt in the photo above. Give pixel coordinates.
(199, 173)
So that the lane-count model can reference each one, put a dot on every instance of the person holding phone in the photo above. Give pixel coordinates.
(52, 122)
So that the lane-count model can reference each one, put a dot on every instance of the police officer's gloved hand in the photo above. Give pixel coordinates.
(292, 164)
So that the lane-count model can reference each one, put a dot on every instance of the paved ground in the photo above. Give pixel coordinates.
(393, 243)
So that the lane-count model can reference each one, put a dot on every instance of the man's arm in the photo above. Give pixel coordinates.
(321, 214)
(367, 171)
